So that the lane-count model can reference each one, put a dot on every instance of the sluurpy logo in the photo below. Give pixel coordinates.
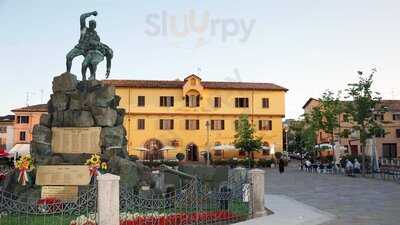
(197, 29)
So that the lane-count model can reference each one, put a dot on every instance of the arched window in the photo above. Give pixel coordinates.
(192, 100)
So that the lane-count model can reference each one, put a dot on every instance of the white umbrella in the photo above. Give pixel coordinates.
(324, 146)
(167, 148)
(225, 147)
(272, 151)
(142, 149)
(266, 148)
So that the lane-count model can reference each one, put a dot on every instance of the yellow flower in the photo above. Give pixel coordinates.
(103, 165)
(95, 159)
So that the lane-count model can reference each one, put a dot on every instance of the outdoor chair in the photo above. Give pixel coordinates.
(321, 168)
(314, 168)
(329, 169)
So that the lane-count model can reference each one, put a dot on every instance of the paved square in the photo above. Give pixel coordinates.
(354, 201)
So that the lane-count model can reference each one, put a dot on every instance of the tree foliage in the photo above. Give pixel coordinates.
(301, 135)
(329, 112)
(362, 107)
(245, 139)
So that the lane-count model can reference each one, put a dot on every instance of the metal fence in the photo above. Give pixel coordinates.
(385, 172)
(193, 203)
(30, 211)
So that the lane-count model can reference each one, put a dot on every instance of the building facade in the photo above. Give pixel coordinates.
(6, 132)
(25, 119)
(191, 116)
(387, 144)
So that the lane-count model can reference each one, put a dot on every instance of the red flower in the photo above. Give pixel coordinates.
(181, 218)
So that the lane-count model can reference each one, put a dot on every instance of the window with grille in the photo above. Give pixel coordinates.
(141, 124)
(265, 124)
(192, 124)
(141, 101)
(265, 102)
(22, 119)
(22, 136)
(166, 124)
(217, 124)
(217, 102)
(241, 102)
(192, 100)
(166, 101)
(396, 116)
(398, 133)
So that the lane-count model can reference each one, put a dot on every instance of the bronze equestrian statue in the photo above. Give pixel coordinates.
(91, 48)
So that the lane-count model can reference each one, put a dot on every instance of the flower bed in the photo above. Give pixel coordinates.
(164, 219)
(49, 205)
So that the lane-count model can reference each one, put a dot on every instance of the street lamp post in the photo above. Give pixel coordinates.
(208, 143)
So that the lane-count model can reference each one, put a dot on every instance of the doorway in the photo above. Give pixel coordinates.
(192, 152)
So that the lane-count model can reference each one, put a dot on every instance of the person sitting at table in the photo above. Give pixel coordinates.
(357, 166)
(349, 167)
(308, 165)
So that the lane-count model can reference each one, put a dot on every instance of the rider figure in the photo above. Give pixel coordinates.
(87, 39)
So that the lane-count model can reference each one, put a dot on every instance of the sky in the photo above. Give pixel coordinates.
(307, 46)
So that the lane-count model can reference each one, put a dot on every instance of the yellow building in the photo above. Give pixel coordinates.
(192, 116)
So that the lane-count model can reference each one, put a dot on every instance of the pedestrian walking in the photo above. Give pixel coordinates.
(281, 166)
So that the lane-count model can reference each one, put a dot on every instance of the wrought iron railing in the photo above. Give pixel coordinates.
(30, 211)
(194, 203)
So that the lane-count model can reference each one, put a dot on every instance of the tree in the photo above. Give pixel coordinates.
(245, 139)
(311, 128)
(302, 136)
(362, 108)
(327, 114)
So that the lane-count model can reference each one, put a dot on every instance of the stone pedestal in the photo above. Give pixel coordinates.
(108, 199)
(257, 179)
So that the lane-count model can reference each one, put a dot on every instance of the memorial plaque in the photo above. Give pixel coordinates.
(62, 175)
(63, 193)
(76, 140)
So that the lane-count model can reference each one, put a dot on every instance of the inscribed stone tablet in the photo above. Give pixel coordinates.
(62, 175)
(63, 193)
(74, 140)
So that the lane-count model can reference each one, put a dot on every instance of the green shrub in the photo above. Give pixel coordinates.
(278, 155)
(263, 163)
(156, 164)
(170, 163)
(180, 156)
(246, 163)
(220, 163)
(233, 162)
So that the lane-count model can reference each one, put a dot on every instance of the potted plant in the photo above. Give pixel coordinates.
(180, 157)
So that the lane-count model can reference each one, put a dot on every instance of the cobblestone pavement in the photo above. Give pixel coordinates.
(354, 201)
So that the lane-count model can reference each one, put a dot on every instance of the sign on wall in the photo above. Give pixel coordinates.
(62, 175)
(76, 140)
